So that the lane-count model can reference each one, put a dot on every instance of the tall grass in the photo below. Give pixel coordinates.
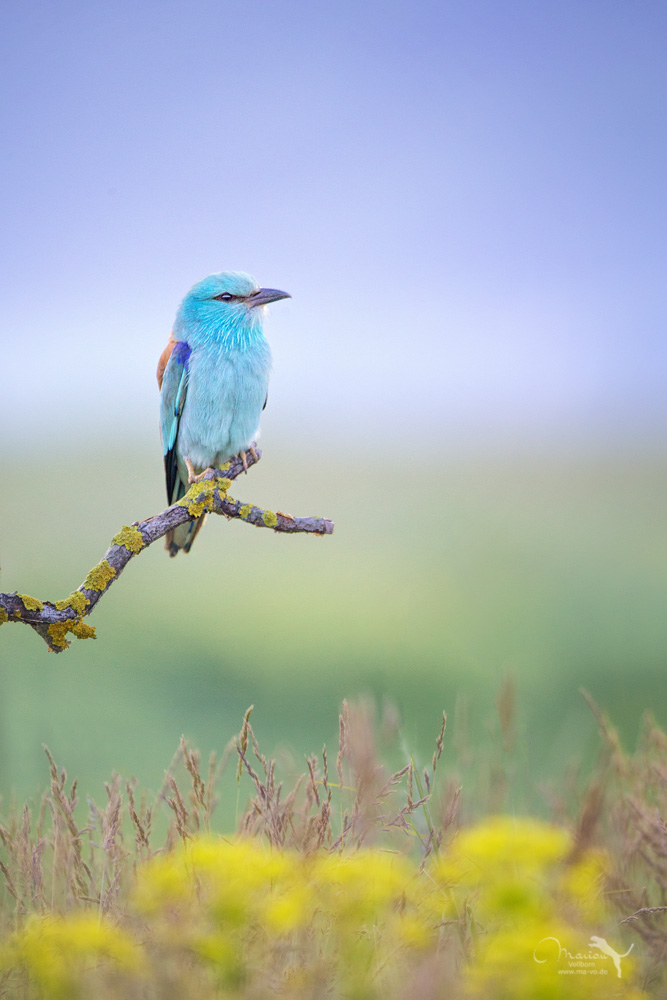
(353, 879)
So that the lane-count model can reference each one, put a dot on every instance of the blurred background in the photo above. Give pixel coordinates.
(466, 200)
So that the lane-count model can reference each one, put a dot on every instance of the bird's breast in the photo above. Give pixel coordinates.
(227, 389)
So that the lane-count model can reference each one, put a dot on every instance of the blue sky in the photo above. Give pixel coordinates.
(465, 199)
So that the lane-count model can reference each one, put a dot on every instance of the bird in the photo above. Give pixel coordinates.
(213, 377)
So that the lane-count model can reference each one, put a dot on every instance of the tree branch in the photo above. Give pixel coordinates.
(54, 620)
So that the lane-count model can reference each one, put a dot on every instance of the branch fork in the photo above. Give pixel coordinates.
(54, 620)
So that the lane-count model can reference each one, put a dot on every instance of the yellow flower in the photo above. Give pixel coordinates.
(219, 951)
(523, 964)
(289, 910)
(163, 880)
(413, 930)
(500, 845)
(546, 961)
(361, 885)
(220, 876)
(583, 882)
(54, 951)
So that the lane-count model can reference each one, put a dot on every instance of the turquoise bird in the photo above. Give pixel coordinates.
(213, 377)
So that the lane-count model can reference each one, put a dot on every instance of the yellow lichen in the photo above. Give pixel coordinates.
(245, 510)
(31, 603)
(130, 537)
(99, 576)
(269, 518)
(197, 507)
(82, 631)
(4, 617)
(199, 498)
(77, 601)
(57, 632)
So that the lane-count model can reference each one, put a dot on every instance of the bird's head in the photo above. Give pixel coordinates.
(228, 303)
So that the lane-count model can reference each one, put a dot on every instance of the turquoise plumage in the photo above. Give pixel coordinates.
(214, 377)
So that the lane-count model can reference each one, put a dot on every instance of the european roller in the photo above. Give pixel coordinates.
(213, 377)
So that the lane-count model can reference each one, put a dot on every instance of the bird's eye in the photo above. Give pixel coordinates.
(225, 297)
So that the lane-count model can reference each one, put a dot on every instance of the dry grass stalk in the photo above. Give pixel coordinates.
(625, 809)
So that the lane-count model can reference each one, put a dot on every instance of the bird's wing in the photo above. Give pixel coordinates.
(173, 379)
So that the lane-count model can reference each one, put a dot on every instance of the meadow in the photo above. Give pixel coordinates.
(446, 575)
(490, 586)
(352, 882)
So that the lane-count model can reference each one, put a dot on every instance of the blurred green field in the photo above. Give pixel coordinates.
(445, 575)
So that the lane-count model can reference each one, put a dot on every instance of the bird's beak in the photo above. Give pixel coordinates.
(265, 295)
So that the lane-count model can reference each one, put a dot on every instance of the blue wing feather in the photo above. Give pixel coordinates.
(178, 406)
(173, 396)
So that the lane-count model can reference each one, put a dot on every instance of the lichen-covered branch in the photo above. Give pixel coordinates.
(54, 621)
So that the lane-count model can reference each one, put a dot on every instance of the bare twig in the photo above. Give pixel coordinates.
(54, 620)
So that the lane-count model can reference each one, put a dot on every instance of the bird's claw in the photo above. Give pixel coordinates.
(194, 477)
(243, 455)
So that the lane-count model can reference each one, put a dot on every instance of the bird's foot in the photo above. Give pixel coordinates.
(194, 477)
(243, 455)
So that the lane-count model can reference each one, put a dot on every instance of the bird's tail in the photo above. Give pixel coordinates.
(184, 535)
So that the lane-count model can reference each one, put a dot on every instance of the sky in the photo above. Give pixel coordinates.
(465, 198)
